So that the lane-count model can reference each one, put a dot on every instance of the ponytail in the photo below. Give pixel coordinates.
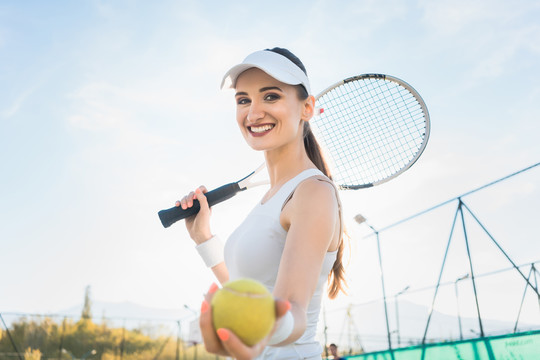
(336, 278)
(313, 150)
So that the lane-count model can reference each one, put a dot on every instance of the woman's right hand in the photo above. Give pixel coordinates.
(197, 225)
(223, 341)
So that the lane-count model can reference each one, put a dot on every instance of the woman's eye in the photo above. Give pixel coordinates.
(271, 97)
(242, 101)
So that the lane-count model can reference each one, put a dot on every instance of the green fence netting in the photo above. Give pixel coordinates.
(522, 346)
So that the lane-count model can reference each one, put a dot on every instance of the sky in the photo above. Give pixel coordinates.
(111, 110)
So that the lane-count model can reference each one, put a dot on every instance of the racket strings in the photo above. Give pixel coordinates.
(371, 129)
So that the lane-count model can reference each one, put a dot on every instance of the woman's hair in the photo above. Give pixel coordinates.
(336, 278)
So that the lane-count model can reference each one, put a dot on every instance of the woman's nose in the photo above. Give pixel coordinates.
(255, 112)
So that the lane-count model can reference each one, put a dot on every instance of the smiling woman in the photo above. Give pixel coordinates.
(268, 115)
(292, 241)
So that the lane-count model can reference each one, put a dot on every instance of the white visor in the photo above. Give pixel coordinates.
(277, 66)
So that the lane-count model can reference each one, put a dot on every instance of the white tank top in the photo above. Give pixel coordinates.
(254, 250)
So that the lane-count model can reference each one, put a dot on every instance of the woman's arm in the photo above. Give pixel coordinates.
(221, 272)
(312, 220)
(198, 227)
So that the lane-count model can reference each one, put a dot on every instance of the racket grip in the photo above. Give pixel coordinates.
(176, 213)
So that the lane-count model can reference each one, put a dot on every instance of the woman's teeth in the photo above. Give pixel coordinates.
(260, 129)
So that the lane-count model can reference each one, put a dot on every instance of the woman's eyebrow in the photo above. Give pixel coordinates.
(270, 88)
(261, 90)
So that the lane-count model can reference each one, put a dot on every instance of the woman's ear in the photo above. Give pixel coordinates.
(309, 108)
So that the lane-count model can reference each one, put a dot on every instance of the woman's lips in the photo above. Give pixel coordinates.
(260, 130)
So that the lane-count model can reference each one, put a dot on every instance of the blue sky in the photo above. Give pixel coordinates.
(111, 110)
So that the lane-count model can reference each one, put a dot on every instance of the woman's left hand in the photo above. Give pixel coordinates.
(223, 341)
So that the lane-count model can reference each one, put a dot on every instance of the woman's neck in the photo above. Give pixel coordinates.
(285, 163)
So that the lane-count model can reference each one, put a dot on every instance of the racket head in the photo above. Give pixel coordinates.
(372, 128)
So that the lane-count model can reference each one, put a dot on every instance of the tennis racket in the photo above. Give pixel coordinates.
(371, 127)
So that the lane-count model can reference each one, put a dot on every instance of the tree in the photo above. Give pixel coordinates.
(32, 354)
(87, 307)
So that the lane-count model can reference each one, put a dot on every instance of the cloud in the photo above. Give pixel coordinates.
(487, 35)
(450, 17)
(95, 113)
(509, 45)
(25, 82)
(18, 103)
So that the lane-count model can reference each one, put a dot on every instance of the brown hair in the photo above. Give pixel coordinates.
(336, 278)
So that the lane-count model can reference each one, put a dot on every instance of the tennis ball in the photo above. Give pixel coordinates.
(246, 308)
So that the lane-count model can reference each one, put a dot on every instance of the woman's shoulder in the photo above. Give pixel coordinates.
(318, 182)
(315, 205)
(315, 190)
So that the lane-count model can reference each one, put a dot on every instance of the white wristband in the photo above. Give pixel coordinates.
(284, 329)
(211, 251)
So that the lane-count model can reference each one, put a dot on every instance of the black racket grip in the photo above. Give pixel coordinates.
(174, 214)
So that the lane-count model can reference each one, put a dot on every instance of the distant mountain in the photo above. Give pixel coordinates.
(151, 320)
(131, 311)
(365, 327)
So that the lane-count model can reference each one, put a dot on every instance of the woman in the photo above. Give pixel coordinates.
(292, 240)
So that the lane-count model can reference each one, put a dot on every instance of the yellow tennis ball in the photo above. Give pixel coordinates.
(246, 308)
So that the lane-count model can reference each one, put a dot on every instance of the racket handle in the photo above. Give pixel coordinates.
(174, 214)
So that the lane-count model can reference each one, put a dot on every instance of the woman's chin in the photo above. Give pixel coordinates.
(258, 147)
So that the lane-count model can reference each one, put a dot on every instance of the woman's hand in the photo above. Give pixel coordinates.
(223, 341)
(197, 225)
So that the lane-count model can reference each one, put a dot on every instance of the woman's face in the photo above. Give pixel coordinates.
(268, 112)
